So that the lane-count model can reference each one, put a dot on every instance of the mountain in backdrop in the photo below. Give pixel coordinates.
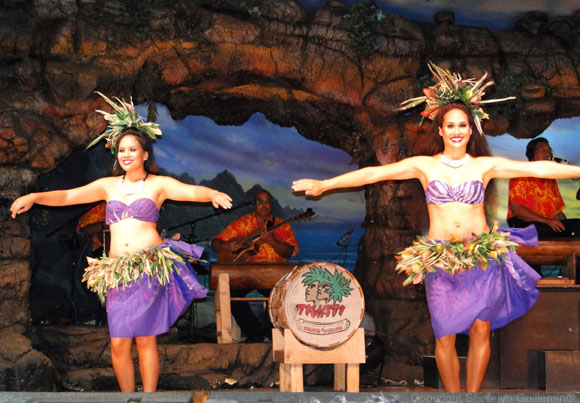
(201, 222)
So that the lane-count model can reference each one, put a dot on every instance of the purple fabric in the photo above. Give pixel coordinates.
(500, 294)
(142, 209)
(148, 310)
(439, 192)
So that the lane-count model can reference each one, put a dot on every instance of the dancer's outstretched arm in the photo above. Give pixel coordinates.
(498, 167)
(179, 191)
(408, 168)
(90, 193)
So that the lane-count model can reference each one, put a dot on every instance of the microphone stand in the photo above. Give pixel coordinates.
(191, 239)
(193, 222)
(344, 243)
(70, 292)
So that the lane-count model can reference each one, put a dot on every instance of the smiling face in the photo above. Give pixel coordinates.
(455, 129)
(130, 154)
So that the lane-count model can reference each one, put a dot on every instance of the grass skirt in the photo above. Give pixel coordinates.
(501, 293)
(151, 304)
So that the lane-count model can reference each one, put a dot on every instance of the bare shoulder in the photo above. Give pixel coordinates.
(489, 161)
(161, 179)
(421, 160)
(166, 182)
(107, 181)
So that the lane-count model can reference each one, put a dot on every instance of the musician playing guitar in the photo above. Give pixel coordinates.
(275, 245)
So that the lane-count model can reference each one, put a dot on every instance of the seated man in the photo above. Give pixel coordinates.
(94, 242)
(277, 245)
(92, 223)
(538, 201)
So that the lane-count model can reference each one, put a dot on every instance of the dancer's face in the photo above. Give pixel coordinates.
(455, 130)
(130, 154)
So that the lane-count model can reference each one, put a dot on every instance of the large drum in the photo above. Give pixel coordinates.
(321, 303)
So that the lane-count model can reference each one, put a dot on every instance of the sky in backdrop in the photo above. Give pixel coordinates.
(260, 152)
(493, 14)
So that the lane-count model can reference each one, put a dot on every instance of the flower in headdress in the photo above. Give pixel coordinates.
(124, 117)
(451, 87)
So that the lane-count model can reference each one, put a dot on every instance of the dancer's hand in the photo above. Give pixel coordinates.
(310, 187)
(222, 200)
(22, 205)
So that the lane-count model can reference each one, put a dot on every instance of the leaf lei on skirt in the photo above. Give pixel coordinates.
(105, 273)
(457, 255)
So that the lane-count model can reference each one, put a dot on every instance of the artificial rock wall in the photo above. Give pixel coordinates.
(228, 59)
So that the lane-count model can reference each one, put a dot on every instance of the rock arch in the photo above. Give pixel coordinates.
(227, 61)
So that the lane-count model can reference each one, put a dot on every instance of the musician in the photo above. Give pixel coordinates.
(538, 201)
(92, 223)
(277, 245)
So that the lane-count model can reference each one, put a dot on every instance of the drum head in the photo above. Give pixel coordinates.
(322, 304)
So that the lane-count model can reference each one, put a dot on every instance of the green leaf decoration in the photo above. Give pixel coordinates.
(125, 116)
(105, 273)
(451, 87)
(455, 256)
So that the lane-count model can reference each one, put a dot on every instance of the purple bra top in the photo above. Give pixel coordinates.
(142, 209)
(439, 192)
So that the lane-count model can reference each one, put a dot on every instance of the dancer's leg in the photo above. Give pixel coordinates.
(478, 355)
(148, 362)
(448, 363)
(123, 363)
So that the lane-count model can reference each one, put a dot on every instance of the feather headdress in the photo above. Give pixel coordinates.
(451, 87)
(124, 117)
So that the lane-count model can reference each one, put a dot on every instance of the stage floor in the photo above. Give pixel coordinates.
(312, 395)
(382, 395)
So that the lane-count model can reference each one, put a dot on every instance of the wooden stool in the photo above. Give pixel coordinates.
(554, 252)
(291, 354)
(240, 276)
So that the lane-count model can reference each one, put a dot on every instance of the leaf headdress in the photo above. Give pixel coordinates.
(451, 87)
(124, 117)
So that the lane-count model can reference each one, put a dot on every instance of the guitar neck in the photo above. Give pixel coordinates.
(272, 228)
(307, 214)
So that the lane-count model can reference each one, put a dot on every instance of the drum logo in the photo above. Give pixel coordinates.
(323, 307)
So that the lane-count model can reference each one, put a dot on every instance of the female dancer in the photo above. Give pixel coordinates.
(148, 283)
(470, 299)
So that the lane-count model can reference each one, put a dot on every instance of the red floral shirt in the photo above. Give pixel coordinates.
(541, 196)
(94, 215)
(247, 224)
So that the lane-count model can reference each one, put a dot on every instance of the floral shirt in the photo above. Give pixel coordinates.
(94, 215)
(541, 196)
(247, 224)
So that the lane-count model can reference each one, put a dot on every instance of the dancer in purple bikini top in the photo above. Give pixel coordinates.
(470, 192)
(142, 209)
(153, 284)
(456, 173)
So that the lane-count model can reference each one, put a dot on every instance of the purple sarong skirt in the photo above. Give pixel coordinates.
(141, 309)
(499, 294)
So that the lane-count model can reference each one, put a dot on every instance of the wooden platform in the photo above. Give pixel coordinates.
(292, 354)
(553, 324)
(561, 252)
(241, 276)
(555, 370)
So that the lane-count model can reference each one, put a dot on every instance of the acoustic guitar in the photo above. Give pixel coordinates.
(251, 242)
